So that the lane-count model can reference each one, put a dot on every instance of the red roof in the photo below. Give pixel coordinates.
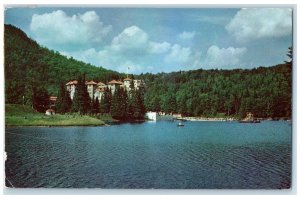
(101, 84)
(127, 79)
(115, 82)
(71, 82)
(50, 110)
(90, 82)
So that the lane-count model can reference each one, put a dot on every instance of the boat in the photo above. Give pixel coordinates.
(180, 124)
(249, 119)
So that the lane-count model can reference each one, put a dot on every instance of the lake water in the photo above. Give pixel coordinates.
(151, 155)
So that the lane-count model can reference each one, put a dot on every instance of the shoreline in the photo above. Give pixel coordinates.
(47, 123)
(51, 126)
(207, 119)
(212, 119)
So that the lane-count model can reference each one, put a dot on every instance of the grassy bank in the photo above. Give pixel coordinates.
(18, 115)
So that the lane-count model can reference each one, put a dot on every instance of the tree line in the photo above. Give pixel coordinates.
(264, 91)
(122, 105)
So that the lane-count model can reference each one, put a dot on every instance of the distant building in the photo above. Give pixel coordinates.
(101, 88)
(112, 85)
(52, 101)
(152, 115)
(158, 117)
(50, 112)
(71, 87)
(127, 82)
(177, 115)
(138, 83)
(97, 89)
(91, 86)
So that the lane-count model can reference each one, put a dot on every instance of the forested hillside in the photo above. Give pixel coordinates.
(265, 91)
(29, 67)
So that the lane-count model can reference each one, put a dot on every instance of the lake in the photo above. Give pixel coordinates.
(200, 155)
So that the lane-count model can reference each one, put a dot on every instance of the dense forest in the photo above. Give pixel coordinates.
(264, 91)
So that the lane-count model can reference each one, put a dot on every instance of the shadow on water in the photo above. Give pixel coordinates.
(120, 122)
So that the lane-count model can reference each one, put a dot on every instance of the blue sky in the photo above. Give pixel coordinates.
(160, 39)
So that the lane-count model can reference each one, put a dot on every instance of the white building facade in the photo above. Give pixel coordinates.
(97, 89)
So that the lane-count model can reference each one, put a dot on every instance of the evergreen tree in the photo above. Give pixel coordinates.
(130, 101)
(124, 104)
(60, 99)
(102, 105)
(77, 98)
(105, 102)
(40, 99)
(95, 106)
(81, 100)
(86, 100)
(115, 105)
(63, 103)
(138, 105)
(290, 55)
(75, 103)
(130, 104)
(119, 104)
(67, 101)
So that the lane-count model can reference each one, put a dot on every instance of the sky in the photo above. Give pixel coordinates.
(160, 39)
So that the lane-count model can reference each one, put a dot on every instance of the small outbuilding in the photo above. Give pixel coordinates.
(50, 112)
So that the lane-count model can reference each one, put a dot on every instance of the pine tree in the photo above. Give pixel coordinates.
(77, 96)
(108, 100)
(67, 101)
(95, 106)
(130, 102)
(60, 99)
(119, 104)
(86, 100)
(63, 103)
(81, 100)
(40, 99)
(115, 105)
(102, 105)
(105, 102)
(124, 104)
(75, 103)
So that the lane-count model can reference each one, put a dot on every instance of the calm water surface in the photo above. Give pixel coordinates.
(151, 155)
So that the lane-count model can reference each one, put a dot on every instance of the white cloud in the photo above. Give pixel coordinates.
(223, 57)
(178, 54)
(133, 48)
(187, 35)
(131, 38)
(57, 28)
(158, 48)
(255, 23)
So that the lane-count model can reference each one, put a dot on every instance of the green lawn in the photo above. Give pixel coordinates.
(18, 115)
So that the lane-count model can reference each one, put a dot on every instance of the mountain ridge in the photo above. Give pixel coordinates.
(27, 62)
